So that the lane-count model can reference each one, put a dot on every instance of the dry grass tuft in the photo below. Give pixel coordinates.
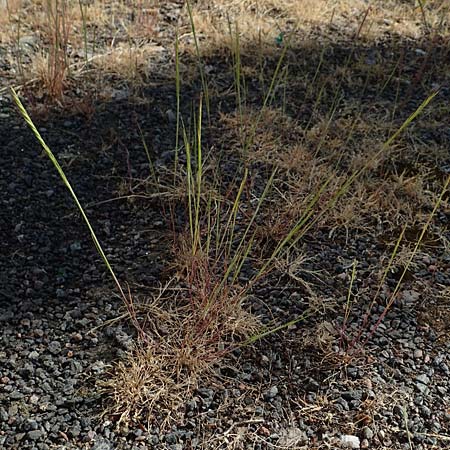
(264, 20)
(153, 382)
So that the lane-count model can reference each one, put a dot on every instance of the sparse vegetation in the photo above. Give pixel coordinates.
(291, 128)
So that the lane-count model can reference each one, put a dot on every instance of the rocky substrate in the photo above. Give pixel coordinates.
(294, 389)
(57, 337)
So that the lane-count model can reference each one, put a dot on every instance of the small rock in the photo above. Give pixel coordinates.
(77, 337)
(124, 340)
(342, 405)
(90, 436)
(410, 297)
(101, 445)
(426, 412)
(352, 395)
(31, 425)
(312, 385)
(368, 433)
(34, 435)
(75, 431)
(421, 383)
(30, 41)
(171, 116)
(26, 323)
(349, 441)
(292, 438)
(16, 395)
(3, 414)
(191, 405)
(418, 354)
(171, 438)
(33, 355)
(13, 410)
(98, 367)
(423, 378)
(263, 431)
(119, 94)
(19, 436)
(54, 347)
(271, 393)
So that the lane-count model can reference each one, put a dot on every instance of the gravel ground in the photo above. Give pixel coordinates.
(55, 293)
(295, 389)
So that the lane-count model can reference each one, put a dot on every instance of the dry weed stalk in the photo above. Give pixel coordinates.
(59, 30)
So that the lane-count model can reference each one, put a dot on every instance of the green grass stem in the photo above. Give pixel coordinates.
(66, 182)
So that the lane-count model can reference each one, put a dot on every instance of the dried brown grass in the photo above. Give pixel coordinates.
(119, 33)
(152, 383)
(330, 150)
(260, 22)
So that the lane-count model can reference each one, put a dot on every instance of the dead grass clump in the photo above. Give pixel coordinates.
(153, 382)
(328, 153)
(139, 383)
(261, 22)
(132, 62)
(264, 20)
(268, 130)
(303, 171)
(59, 39)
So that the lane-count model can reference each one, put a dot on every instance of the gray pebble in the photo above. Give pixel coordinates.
(54, 347)
(271, 393)
(16, 395)
(423, 388)
(34, 435)
(426, 412)
(423, 378)
(349, 441)
(31, 424)
(206, 393)
(33, 355)
(3, 414)
(102, 444)
(19, 436)
(171, 438)
(368, 433)
(352, 395)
